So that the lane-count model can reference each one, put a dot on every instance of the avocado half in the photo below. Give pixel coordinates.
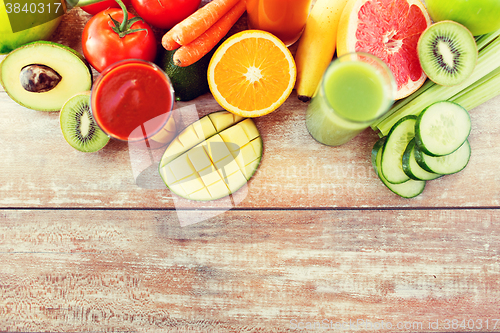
(44, 75)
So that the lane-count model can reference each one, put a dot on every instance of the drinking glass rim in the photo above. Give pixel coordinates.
(118, 64)
(379, 61)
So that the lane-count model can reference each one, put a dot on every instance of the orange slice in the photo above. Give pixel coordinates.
(252, 73)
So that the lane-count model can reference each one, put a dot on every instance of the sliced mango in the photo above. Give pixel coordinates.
(181, 167)
(235, 181)
(218, 189)
(213, 157)
(167, 175)
(245, 155)
(227, 166)
(250, 168)
(199, 158)
(210, 175)
(175, 148)
(200, 195)
(216, 148)
(250, 130)
(192, 135)
(235, 135)
(177, 188)
(192, 184)
(257, 146)
(204, 128)
(167, 133)
(190, 138)
(223, 120)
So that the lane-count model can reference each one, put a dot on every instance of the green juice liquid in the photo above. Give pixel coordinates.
(351, 96)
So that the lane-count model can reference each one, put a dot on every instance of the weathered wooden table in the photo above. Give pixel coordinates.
(317, 242)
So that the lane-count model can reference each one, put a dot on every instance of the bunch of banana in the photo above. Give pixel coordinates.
(317, 45)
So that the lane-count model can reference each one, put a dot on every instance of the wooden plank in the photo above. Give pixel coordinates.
(120, 270)
(259, 269)
(41, 170)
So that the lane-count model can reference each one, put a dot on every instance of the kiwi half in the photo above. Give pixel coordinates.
(447, 52)
(78, 127)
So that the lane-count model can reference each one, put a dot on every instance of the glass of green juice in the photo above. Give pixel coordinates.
(355, 90)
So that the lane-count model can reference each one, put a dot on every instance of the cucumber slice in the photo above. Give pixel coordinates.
(411, 167)
(447, 164)
(408, 189)
(442, 128)
(392, 155)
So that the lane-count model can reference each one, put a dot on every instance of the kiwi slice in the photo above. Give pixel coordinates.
(447, 52)
(78, 127)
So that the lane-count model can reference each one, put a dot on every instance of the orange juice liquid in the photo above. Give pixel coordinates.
(283, 18)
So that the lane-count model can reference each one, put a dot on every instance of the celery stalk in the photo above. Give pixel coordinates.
(478, 83)
(402, 102)
(488, 61)
(484, 40)
(480, 92)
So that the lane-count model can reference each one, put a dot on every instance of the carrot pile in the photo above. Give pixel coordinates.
(199, 33)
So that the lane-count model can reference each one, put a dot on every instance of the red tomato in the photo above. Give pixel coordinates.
(102, 46)
(100, 6)
(164, 14)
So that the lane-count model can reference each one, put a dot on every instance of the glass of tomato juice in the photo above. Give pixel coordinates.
(285, 19)
(132, 100)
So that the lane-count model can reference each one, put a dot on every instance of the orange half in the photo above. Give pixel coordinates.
(252, 73)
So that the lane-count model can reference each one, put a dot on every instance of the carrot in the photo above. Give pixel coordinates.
(194, 51)
(197, 23)
(168, 41)
(201, 20)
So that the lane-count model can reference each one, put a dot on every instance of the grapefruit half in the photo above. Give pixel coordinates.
(388, 29)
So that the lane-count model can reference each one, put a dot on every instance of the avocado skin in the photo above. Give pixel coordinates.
(189, 82)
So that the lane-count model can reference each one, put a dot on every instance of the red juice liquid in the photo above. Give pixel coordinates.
(132, 101)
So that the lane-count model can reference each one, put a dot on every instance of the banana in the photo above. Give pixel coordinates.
(317, 45)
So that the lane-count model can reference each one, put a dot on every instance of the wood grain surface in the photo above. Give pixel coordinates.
(315, 242)
(80, 270)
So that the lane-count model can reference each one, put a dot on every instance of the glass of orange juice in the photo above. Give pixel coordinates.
(285, 19)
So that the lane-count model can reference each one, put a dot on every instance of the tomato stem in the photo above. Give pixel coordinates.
(123, 28)
(125, 15)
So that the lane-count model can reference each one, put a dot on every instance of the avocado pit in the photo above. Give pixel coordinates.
(39, 78)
